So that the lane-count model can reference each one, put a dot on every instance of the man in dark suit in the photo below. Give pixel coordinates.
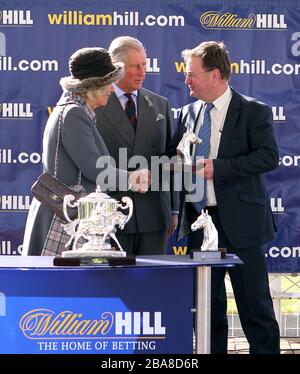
(137, 122)
(241, 148)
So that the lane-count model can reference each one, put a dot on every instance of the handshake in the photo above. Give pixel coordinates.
(140, 180)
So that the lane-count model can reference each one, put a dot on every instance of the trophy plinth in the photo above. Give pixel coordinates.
(218, 254)
(97, 222)
(93, 253)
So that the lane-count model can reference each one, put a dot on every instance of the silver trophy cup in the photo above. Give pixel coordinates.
(97, 222)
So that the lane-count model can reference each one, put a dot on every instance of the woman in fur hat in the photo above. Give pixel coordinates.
(80, 146)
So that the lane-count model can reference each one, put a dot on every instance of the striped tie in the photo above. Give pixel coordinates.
(202, 149)
(130, 110)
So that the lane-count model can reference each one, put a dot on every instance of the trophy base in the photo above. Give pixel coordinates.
(94, 261)
(209, 255)
(93, 254)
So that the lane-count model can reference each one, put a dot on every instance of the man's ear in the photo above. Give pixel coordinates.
(216, 74)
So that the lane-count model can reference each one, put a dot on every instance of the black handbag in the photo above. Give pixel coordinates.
(50, 191)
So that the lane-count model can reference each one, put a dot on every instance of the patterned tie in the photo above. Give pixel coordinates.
(202, 149)
(130, 110)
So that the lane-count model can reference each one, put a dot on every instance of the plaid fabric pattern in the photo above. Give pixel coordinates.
(57, 238)
(79, 100)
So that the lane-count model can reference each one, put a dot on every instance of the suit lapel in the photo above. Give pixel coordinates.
(146, 120)
(231, 120)
(118, 119)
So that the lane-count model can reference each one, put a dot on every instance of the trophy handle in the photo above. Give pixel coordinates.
(128, 205)
(68, 203)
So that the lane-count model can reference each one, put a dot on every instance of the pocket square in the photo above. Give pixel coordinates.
(159, 117)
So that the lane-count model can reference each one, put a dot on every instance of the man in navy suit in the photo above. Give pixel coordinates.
(241, 148)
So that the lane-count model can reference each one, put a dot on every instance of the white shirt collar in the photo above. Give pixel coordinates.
(119, 92)
(223, 100)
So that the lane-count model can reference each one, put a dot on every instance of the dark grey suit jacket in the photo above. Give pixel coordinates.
(152, 210)
(247, 150)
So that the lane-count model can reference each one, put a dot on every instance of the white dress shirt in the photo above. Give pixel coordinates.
(123, 99)
(217, 115)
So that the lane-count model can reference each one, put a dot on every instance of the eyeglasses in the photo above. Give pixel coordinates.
(193, 76)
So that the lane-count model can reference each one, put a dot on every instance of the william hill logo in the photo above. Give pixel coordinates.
(15, 110)
(230, 21)
(14, 203)
(44, 324)
(15, 18)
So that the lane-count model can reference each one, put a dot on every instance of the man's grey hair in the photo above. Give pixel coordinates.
(120, 46)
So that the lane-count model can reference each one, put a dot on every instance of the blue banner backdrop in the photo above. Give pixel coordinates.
(37, 37)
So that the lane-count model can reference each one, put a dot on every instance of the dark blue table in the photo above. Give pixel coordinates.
(144, 308)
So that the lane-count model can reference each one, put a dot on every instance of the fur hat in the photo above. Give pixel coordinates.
(90, 69)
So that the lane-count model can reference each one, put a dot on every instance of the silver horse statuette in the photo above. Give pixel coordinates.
(210, 233)
(184, 146)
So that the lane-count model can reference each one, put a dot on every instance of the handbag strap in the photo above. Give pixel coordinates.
(60, 119)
